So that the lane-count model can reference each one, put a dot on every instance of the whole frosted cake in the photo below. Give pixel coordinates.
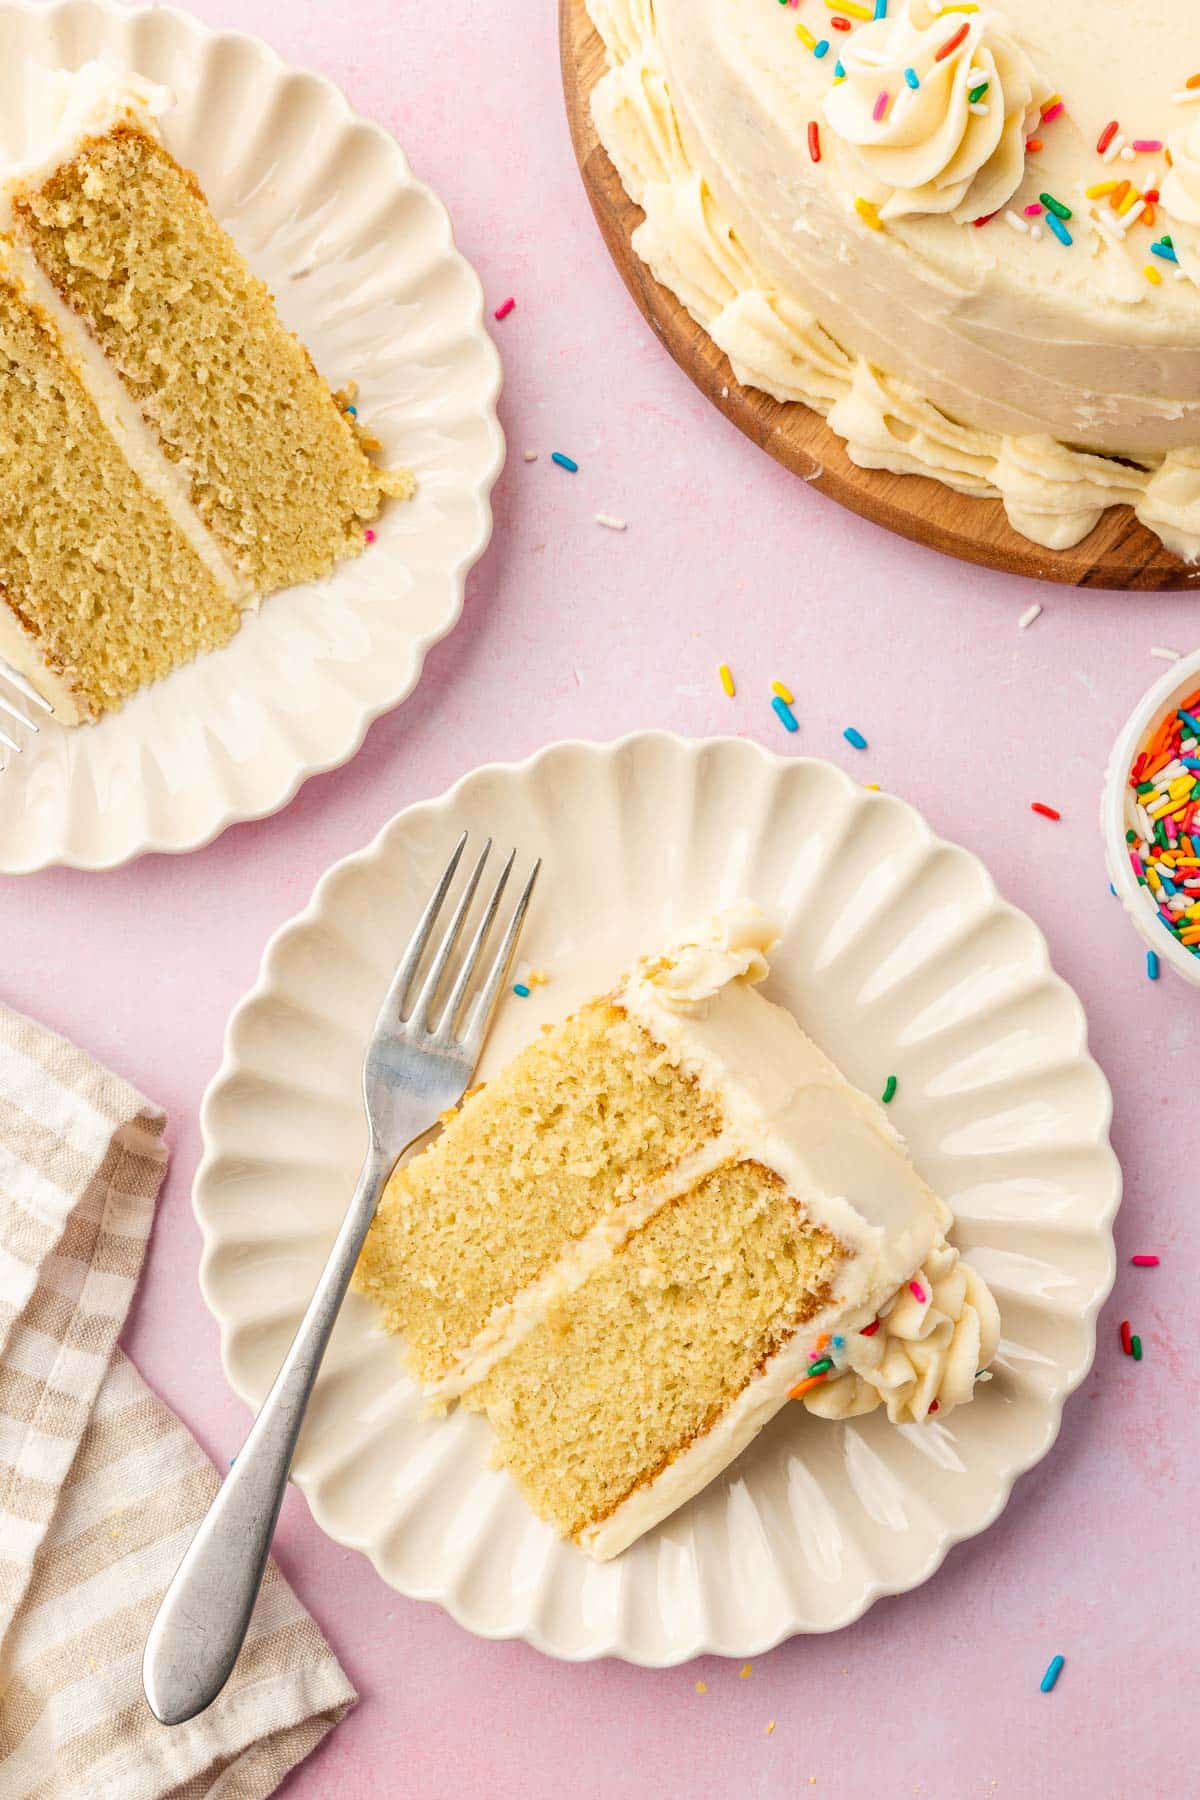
(171, 453)
(969, 235)
(667, 1216)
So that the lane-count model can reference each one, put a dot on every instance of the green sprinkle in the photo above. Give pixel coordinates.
(1131, 837)
(819, 1368)
(1135, 1344)
(889, 1090)
(976, 94)
(1055, 206)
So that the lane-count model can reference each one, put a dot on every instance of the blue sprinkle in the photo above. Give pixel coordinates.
(881, 9)
(1058, 228)
(784, 713)
(1191, 762)
(1056, 1662)
(855, 737)
(564, 462)
(1192, 724)
(1152, 965)
(912, 78)
(1112, 890)
(839, 1342)
(353, 411)
(1165, 250)
(520, 988)
(839, 71)
(821, 49)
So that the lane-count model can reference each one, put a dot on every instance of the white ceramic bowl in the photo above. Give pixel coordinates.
(1180, 680)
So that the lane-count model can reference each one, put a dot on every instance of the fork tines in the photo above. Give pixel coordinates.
(19, 716)
(423, 1007)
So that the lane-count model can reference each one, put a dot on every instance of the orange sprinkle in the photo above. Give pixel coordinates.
(1193, 81)
(810, 1381)
(1148, 214)
(1118, 194)
(951, 43)
(1033, 145)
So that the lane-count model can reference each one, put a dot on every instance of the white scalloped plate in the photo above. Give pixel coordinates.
(899, 957)
(362, 262)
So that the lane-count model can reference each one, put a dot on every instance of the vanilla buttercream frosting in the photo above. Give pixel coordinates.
(983, 351)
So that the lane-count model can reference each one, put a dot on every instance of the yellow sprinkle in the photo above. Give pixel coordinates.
(1099, 188)
(872, 786)
(1051, 103)
(868, 213)
(727, 680)
(849, 7)
(806, 37)
(1131, 199)
(744, 1671)
(702, 1687)
(785, 693)
(1152, 275)
(964, 6)
(770, 1727)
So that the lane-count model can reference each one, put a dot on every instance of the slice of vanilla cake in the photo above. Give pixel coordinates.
(173, 453)
(667, 1216)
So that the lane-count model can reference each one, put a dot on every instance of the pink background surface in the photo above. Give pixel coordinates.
(573, 631)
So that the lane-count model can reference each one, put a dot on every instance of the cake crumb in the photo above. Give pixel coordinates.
(702, 1687)
(536, 978)
(744, 1671)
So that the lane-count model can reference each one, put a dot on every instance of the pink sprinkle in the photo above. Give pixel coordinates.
(881, 106)
(917, 1292)
(1031, 212)
(1150, 144)
(1058, 107)
(1144, 1262)
(504, 308)
(369, 535)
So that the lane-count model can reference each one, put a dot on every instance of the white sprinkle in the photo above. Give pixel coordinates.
(607, 519)
(1028, 616)
(1185, 96)
(1110, 226)
(1165, 655)
(1114, 149)
(1144, 823)
(1127, 153)
(531, 456)
(979, 109)
(1035, 232)
(1016, 221)
(1135, 212)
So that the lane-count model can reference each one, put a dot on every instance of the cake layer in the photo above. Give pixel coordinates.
(1003, 357)
(101, 590)
(275, 469)
(625, 1373)
(574, 1127)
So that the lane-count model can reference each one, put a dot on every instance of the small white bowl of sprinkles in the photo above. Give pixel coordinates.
(1150, 813)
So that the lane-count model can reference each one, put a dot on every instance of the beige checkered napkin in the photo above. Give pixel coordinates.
(101, 1486)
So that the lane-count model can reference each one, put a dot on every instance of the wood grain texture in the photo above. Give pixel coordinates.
(1119, 553)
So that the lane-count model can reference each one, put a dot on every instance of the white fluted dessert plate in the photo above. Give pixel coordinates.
(362, 262)
(900, 958)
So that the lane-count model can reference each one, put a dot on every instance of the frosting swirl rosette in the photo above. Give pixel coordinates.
(927, 1347)
(933, 147)
(1181, 189)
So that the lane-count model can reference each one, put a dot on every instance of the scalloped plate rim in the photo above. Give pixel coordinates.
(456, 574)
(617, 1643)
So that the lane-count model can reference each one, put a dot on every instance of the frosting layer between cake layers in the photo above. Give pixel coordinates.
(909, 282)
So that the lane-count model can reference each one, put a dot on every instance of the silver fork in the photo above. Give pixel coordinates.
(13, 717)
(417, 1064)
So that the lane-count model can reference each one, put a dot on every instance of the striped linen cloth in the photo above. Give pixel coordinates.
(101, 1486)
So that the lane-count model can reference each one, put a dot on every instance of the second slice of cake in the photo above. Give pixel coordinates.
(667, 1215)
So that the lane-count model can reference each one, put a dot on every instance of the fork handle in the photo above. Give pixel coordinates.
(204, 1616)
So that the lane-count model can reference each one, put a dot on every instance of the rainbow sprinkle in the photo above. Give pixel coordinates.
(889, 1090)
(564, 462)
(868, 213)
(1135, 1345)
(785, 693)
(726, 675)
(521, 990)
(1144, 1262)
(855, 737)
(918, 1292)
(504, 308)
(1162, 805)
(1052, 1673)
(784, 713)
